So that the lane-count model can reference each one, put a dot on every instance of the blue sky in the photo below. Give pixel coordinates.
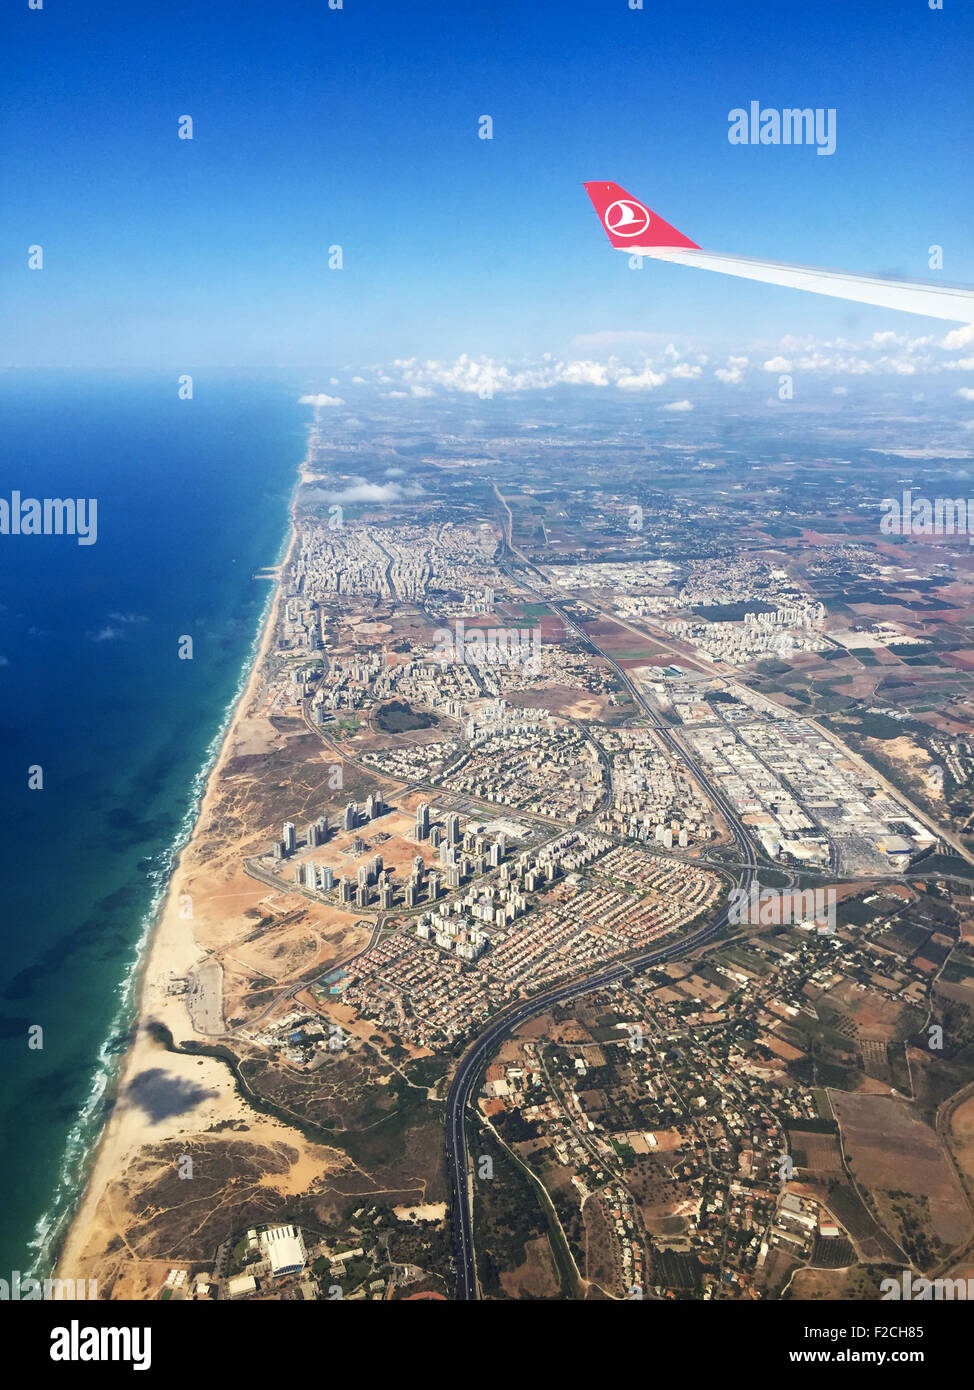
(359, 127)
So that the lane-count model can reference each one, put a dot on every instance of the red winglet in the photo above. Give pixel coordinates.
(628, 222)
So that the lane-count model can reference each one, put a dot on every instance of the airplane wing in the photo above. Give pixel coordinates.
(631, 227)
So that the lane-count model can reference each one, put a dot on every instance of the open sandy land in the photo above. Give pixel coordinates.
(168, 1103)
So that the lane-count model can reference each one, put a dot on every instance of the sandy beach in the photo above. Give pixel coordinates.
(173, 951)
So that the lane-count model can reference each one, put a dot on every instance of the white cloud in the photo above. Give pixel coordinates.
(883, 355)
(583, 374)
(733, 373)
(966, 393)
(486, 376)
(646, 380)
(115, 627)
(959, 337)
(320, 400)
(678, 407)
(362, 491)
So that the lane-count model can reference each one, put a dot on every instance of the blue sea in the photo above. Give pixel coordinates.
(192, 499)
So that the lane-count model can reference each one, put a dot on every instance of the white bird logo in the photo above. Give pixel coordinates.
(626, 218)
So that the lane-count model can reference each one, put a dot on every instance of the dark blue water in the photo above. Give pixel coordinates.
(192, 499)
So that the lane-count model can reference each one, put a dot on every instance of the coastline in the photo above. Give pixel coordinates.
(170, 949)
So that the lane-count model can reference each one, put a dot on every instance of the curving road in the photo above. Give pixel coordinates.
(474, 1060)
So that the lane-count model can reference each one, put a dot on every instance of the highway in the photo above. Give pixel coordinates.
(474, 1060)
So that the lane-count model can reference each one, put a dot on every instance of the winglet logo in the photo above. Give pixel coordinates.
(626, 217)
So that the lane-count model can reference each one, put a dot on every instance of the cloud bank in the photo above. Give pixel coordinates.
(886, 354)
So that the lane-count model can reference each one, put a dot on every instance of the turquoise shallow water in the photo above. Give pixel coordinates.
(192, 499)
